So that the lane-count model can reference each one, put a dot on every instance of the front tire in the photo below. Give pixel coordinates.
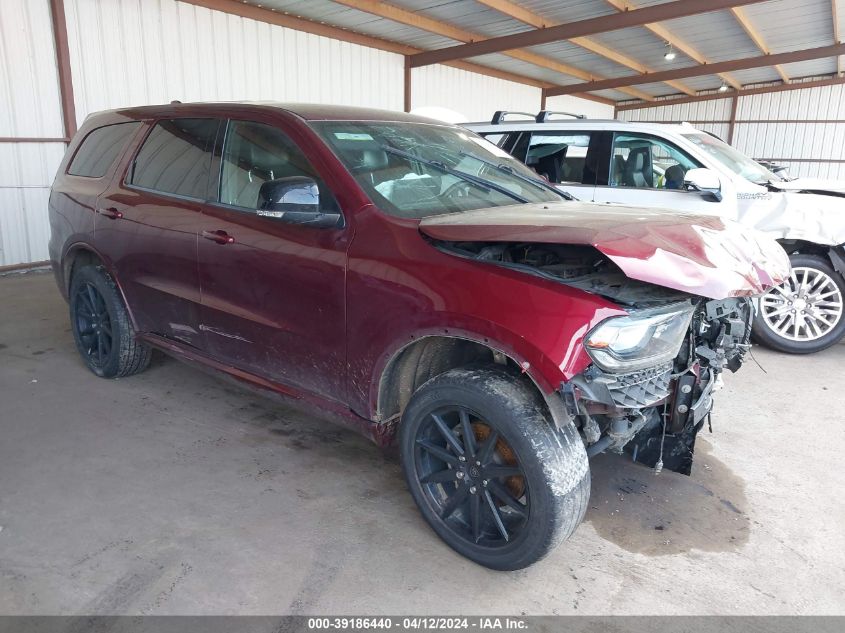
(488, 471)
(805, 313)
(101, 326)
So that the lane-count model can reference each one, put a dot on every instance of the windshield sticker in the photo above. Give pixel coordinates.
(753, 196)
(351, 136)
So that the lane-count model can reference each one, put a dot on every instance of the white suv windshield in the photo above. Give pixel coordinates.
(734, 160)
(415, 170)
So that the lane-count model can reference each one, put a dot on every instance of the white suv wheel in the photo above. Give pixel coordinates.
(806, 307)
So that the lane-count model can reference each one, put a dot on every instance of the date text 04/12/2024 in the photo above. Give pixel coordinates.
(418, 623)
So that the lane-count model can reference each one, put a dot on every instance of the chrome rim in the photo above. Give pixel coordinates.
(804, 308)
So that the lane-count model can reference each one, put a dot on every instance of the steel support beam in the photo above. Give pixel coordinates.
(794, 85)
(581, 28)
(407, 86)
(698, 71)
(57, 13)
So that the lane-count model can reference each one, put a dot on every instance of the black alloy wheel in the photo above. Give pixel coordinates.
(471, 477)
(101, 325)
(93, 325)
(489, 471)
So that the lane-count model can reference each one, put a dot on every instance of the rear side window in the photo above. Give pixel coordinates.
(100, 149)
(561, 157)
(176, 158)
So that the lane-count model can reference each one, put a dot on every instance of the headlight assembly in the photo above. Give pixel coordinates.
(642, 339)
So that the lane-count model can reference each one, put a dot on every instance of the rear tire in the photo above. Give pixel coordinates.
(804, 314)
(489, 472)
(101, 327)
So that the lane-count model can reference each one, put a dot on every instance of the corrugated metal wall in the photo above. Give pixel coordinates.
(803, 130)
(711, 116)
(808, 125)
(474, 96)
(29, 94)
(126, 52)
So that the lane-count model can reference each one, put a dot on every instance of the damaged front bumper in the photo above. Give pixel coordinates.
(655, 413)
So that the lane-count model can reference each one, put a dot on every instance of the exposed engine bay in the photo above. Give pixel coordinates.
(652, 412)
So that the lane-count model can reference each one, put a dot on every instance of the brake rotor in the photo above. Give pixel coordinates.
(515, 484)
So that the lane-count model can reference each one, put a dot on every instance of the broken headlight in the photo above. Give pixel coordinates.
(641, 339)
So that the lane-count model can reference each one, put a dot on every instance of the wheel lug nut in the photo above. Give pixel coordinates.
(460, 475)
(462, 458)
(473, 489)
(484, 483)
(477, 463)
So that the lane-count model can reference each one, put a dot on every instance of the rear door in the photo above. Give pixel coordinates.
(148, 223)
(273, 292)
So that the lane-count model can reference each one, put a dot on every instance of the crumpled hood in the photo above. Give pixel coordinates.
(810, 184)
(701, 255)
(790, 214)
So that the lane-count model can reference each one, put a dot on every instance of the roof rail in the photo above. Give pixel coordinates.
(500, 115)
(543, 115)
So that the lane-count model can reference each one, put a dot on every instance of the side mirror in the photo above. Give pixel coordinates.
(706, 182)
(295, 200)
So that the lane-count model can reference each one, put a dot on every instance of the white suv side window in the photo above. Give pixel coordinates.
(560, 157)
(647, 162)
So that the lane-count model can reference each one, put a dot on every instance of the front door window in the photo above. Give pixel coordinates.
(646, 162)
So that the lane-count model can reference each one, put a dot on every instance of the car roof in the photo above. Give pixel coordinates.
(306, 111)
(557, 125)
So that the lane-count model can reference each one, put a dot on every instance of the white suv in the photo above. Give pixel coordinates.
(684, 169)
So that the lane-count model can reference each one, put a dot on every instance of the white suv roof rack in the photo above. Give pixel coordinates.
(541, 117)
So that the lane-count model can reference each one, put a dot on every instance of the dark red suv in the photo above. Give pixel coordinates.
(414, 281)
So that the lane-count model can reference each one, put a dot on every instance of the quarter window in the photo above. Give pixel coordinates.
(255, 154)
(646, 162)
(176, 158)
(100, 149)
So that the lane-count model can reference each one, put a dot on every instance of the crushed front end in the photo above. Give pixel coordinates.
(650, 388)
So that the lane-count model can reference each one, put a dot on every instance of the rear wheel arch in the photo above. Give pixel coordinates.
(76, 257)
(427, 357)
(82, 254)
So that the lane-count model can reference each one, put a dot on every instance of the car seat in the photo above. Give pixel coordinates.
(618, 176)
(638, 168)
(551, 166)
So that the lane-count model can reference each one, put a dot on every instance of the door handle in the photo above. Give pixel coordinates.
(111, 213)
(220, 236)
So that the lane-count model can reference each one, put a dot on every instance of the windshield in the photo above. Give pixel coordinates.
(416, 170)
(734, 160)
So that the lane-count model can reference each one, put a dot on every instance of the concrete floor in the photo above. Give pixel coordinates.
(172, 492)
